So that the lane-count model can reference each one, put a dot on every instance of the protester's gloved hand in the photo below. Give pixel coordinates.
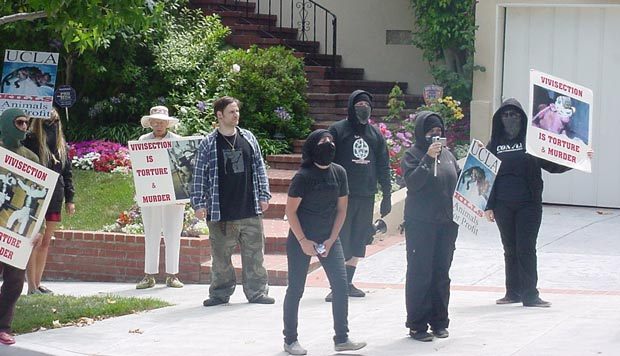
(386, 205)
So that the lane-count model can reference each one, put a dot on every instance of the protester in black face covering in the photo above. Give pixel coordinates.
(362, 151)
(316, 209)
(516, 203)
(430, 232)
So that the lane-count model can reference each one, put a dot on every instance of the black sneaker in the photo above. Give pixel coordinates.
(263, 299)
(214, 301)
(328, 298)
(441, 333)
(421, 335)
(539, 303)
(356, 292)
(508, 300)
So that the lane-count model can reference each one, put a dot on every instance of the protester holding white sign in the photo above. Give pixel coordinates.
(516, 202)
(430, 172)
(24, 191)
(168, 217)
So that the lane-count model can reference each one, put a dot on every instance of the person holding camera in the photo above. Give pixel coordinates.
(316, 209)
(431, 173)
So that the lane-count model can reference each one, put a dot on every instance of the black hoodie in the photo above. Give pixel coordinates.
(362, 151)
(519, 177)
(429, 198)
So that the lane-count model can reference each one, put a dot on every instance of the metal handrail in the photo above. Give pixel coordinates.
(303, 24)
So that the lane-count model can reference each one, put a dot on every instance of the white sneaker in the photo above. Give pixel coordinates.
(295, 348)
(349, 346)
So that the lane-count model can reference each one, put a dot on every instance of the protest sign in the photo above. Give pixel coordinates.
(28, 80)
(26, 189)
(474, 186)
(163, 170)
(561, 127)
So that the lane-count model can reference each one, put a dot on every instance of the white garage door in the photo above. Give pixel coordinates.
(582, 45)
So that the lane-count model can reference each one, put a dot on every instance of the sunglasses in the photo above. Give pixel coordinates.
(21, 122)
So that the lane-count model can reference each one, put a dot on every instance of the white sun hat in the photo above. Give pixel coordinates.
(159, 113)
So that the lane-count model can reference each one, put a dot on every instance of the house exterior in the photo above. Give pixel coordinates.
(575, 40)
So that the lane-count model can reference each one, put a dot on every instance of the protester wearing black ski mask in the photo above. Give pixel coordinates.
(362, 151)
(516, 203)
(316, 209)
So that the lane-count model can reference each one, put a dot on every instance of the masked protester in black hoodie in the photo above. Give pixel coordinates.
(362, 151)
(316, 209)
(516, 203)
(429, 230)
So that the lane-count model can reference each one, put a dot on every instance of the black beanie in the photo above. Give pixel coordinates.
(363, 97)
(431, 122)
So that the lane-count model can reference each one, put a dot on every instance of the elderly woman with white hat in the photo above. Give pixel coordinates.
(166, 218)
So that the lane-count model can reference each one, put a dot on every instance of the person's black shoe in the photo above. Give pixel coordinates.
(356, 292)
(214, 301)
(328, 298)
(263, 299)
(441, 333)
(508, 300)
(421, 335)
(538, 303)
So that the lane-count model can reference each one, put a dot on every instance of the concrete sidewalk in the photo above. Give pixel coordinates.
(579, 260)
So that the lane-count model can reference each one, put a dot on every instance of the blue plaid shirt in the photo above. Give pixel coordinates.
(205, 192)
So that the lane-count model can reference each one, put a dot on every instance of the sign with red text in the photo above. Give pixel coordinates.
(560, 130)
(24, 188)
(163, 169)
(28, 80)
(474, 187)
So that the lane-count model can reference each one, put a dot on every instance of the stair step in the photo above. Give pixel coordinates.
(348, 86)
(297, 145)
(285, 161)
(342, 100)
(325, 72)
(264, 31)
(280, 179)
(323, 124)
(223, 5)
(318, 59)
(246, 41)
(276, 266)
(230, 18)
(277, 204)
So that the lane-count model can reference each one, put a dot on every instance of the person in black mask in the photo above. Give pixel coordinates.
(316, 209)
(430, 172)
(362, 151)
(47, 140)
(516, 203)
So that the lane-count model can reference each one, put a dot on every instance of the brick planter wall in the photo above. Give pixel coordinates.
(112, 257)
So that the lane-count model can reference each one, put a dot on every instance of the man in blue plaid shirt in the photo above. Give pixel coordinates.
(230, 188)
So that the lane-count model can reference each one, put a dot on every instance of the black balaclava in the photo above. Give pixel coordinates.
(359, 122)
(9, 133)
(312, 152)
(425, 121)
(512, 125)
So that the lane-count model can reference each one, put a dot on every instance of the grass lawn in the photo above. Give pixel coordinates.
(49, 311)
(99, 198)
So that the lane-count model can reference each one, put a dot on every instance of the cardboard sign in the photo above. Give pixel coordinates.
(163, 169)
(560, 130)
(474, 187)
(28, 80)
(26, 189)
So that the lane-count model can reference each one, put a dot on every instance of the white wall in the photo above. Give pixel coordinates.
(362, 26)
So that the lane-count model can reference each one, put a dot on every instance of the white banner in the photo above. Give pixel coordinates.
(25, 192)
(561, 127)
(163, 170)
(474, 186)
(28, 80)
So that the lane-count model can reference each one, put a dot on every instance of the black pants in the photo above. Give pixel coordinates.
(430, 249)
(333, 265)
(9, 293)
(518, 224)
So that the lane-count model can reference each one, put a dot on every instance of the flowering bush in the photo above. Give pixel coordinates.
(130, 222)
(102, 156)
(449, 109)
(399, 137)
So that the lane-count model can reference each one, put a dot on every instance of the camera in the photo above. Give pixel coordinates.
(443, 140)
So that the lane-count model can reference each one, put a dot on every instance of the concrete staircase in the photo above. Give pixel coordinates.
(327, 94)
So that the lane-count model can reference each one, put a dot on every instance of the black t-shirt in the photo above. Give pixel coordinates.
(234, 165)
(511, 183)
(319, 190)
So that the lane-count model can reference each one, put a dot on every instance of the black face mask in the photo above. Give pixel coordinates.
(363, 114)
(512, 127)
(324, 153)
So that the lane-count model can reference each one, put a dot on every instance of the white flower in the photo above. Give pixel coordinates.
(236, 68)
(183, 110)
